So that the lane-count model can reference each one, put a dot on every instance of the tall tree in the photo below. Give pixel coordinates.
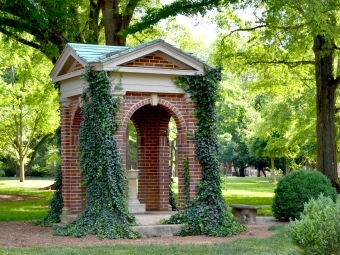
(235, 112)
(297, 34)
(29, 109)
(48, 25)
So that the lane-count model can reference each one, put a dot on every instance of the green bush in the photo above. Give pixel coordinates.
(38, 171)
(318, 230)
(297, 188)
(2, 173)
(9, 172)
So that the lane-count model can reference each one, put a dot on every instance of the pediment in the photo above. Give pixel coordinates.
(155, 57)
(157, 60)
(70, 65)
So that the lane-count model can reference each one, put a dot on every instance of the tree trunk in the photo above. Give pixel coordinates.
(115, 22)
(259, 170)
(273, 169)
(325, 110)
(286, 169)
(22, 169)
(242, 170)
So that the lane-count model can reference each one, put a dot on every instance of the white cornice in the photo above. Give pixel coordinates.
(151, 70)
(173, 52)
(61, 62)
(68, 76)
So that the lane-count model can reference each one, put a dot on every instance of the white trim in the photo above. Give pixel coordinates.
(61, 62)
(152, 70)
(160, 46)
(164, 50)
(68, 76)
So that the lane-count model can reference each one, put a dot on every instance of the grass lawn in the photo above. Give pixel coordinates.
(31, 202)
(235, 190)
(249, 190)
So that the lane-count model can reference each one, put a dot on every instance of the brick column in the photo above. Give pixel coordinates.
(72, 191)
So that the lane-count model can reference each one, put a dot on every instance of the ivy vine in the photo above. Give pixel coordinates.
(56, 203)
(186, 177)
(106, 212)
(207, 213)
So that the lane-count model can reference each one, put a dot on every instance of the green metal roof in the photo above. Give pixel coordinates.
(101, 53)
(92, 52)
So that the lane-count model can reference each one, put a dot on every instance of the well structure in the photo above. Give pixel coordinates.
(143, 76)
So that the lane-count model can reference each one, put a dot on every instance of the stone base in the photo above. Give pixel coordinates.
(245, 214)
(136, 208)
(158, 230)
(68, 218)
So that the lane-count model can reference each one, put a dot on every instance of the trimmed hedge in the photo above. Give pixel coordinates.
(296, 189)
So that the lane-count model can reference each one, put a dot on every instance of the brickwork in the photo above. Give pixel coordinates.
(78, 67)
(153, 60)
(151, 123)
(71, 177)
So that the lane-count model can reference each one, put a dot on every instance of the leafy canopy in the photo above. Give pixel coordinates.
(28, 101)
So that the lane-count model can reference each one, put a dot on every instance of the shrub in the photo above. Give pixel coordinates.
(38, 171)
(9, 172)
(297, 188)
(2, 173)
(318, 230)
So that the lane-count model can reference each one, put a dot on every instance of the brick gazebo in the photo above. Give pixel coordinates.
(149, 99)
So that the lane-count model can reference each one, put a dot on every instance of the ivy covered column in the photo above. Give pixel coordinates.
(207, 213)
(106, 212)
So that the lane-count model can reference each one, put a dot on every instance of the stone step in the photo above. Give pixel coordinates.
(158, 230)
(149, 224)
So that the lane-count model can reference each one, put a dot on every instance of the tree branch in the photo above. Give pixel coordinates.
(246, 29)
(35, 150)
(21, 40)
(183, 7)
(128, 13)
(290, 64)
(265, 25)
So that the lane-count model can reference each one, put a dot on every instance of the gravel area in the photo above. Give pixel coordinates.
(26, 234)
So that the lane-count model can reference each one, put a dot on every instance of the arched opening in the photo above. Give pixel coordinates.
(131, 146)
(153, 155)
(173, 148)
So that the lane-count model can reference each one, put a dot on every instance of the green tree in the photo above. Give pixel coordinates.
(28, 100)
(235, 112)
(300, 37)
(47, 25)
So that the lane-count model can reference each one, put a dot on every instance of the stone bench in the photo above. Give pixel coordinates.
(245, 214)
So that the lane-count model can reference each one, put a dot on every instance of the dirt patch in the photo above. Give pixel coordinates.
(25, 234)
(10, 198)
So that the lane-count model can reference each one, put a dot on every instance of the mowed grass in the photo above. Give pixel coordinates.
(250, 191)
(246, 190)
(258, 191)
(22, 201)
(34, 203)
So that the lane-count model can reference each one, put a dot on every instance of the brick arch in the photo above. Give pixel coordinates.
(76, 112)
(153, 161)
(77, 116)
(166, 105)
